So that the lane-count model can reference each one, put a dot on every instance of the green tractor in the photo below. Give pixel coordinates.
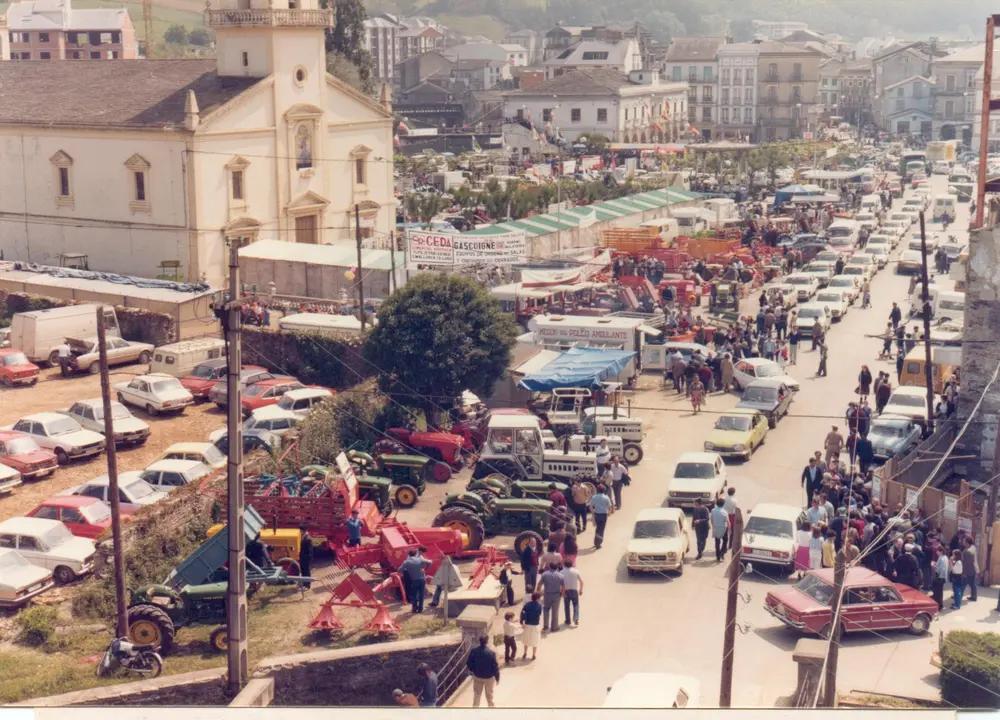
(498, 485)
(157, 612)
(408, 474)
(370, 487)
(478, 515)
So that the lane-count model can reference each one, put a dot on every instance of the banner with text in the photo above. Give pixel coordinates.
(444, 249)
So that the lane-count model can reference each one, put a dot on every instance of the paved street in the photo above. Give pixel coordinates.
(675, 624)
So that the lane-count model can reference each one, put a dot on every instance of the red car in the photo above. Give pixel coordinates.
(206, 374)
(22, 453)
(83, 516)
(266, 392)
(871, 602)
(16, 369)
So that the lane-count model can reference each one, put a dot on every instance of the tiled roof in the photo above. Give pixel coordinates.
(694, 48)
(133, 93)
(59, 15)
(585, 81)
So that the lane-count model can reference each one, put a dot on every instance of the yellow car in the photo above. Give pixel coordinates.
(737, 433)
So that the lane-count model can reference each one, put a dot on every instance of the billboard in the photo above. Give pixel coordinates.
(449, 249)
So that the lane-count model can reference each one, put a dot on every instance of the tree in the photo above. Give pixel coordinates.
(176, 35)
(200, 37)
(439, 335)
(346, 39)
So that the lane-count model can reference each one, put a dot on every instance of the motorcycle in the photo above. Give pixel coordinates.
(138, 659)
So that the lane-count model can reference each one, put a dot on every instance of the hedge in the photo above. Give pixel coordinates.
(314, 358)
(970, 669)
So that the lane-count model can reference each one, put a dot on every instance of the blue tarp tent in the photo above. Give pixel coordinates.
(783, 195)
(578, 367)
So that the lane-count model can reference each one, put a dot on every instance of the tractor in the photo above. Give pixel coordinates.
(478, 516)
(407, 475)
(444, 447)
(157, 612)
(498, 486)
(726, 295)
(515, 448)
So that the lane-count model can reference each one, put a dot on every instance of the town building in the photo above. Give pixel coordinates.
(856, 92)
(382, 44)
(471, 75)
(531, 40)
(512, 55)
(908, 107)
(737, 93)
(559, 39)
(694, 60)
(417, 69)
(994, 126)
(622, 57)
(787, 90)
(894, 65)
(4, 39)
(153, 167)
(639, 108)
(54, 30)
(776, 29)
(417, 40)
(954, 93)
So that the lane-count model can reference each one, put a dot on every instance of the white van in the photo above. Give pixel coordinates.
(871, 204)
(180, 358)
(326, 323)
(39, 333)
(843, 233)
(654, 691)
(949, 306)
(945, 204)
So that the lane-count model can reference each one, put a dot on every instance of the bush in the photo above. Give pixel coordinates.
(36, 625)
(970, 669)
(338, 424)
(334, 362)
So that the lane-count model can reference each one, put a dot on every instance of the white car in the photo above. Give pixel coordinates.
(302, 400)
(896, 228)
(848, 284)
(913, 211)
(133, 491)
(822, 271)
(889, 239)
(865, 261)
(858, 271)
(787, 295)
(806, 285)
(915, 204)
(909, 401)
(769, 536)
(813, 315)
(836, 300)
(950, 332)
(868, 221)
(9, 479)
(749, 369)
(202, 452)
(270, 417)
(909, 261)
(697, 475)
(905, 219)
(128, 429)
(49, 544)
(659, 541)
(941, 167)
(20, 581)
(654, 690)
(155, 393)
(168, 475)
(915, 243)
(880, 253)
(60, 434)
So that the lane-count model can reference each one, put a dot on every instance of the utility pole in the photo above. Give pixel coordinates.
(989, 104)
(833, 651)
(121, 629)
(392, 261)
(992, 510)
(236, 593)
(926, 297)
(361, 289)
(729, 638)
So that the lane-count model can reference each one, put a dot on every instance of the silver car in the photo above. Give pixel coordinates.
(893, 435)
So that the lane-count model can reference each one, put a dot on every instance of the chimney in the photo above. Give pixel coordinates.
(385, 97)
(191, 116)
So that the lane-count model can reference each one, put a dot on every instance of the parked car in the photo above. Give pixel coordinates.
(16, 369)
(302, 400)
(822, 271)
(60, 434)
(252, 440)
(202, 452)
(49, 544)
(9, 479)
(859, 271)
(659, 541)
(219, 392)
(654, 691)
(737, 433)
(168, 475)
(86, 353)
(133, 491)
(696, 475)
(20, 581)
(893, 435)
(206, 374)
(953, 248)
(807, 285)
(83, 516)
(782, 294)
(22, 453)
(849, 284)
(915, 243)
(836, 300)
(748, 370)
(769, 395)
(870, 602)
(879, 238)
(880, 253)
(155, 394)
(128, 429)
(813, 315)
(273, 419)
(266, 392)
(908, 401)
(910, 261)
(864, 261)
(769, 535)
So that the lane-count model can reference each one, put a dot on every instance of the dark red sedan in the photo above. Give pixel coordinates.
(870, 603)
(206, 374)
(22, 453)
(16, 369)
(83, 516)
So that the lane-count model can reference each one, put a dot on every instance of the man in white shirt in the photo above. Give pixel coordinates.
(603, 457)
(572, 590)
(617, 471)
(730, 507)
(64, 359)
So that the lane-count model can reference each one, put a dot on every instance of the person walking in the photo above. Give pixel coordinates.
(812, 479)
(306, 551)
(581, 494)
(816, 548)
(697, 392)
(510, 632)
(552, 585)
(957, 579)
(412, 568)
(618, 474)
(729, 505)
(866, 294)
(940, 575)
(895, 315)
(793, 345)
(803, 537)
(531, 620)
(970, 567)
(700, 520)
(603, 453)
(728, 371)
(823, 352)
(601, 506)
(720, 528)
(485, 671)
(833, 444)
(529, 565)
(887, 336)
(572, 592)
(429, 686)
(864, 382)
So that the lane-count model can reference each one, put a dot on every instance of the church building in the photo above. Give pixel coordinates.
(149, 167)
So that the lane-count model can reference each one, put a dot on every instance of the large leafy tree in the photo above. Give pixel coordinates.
(346, 55)
(439, 335)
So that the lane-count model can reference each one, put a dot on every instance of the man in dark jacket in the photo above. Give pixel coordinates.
(812, 478)
(970, 568)
(529, 565)
(906, 568)
(305, 554)
(700, 520)
(895, 315)
(485, 671)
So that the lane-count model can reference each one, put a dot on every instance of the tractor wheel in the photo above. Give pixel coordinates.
(466, 522)
(219, 640)
(441, 471)
(150, 625)
(405, 496)
(632, 454)
(388, 447)
(591, 486)
(388, 508)
(521, 541)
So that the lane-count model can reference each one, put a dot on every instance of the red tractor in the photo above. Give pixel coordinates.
(441, 446)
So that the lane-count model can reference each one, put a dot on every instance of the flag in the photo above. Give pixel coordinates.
(475, 145)
(403, 127)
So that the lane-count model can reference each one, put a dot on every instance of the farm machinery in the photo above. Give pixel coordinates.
(476, 515)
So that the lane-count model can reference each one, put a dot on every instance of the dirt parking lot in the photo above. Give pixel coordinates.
(53, 392)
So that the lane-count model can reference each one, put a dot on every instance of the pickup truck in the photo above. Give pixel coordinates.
(128, 429)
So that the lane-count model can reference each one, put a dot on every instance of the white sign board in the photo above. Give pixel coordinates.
(950, 507)
(807, 136)
(876, 488)
(584, 334)
(430, 248)
(911, 496)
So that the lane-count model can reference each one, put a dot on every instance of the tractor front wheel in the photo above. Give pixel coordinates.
(632, 454)
(521, 541)
(150, 625)
(219, 640)
(441, 471)
(405, 496)
(466, 522)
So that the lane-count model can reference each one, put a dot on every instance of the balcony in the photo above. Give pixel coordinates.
(796, 77)
(772, 78)
(269, 18)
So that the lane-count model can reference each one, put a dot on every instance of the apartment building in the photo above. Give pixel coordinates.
(380, 41)
(623, 57)
(954, 94)
(695, 60)
(787, 90)
(531, 40)
(737, 93)
(53, 30)
(894, 65)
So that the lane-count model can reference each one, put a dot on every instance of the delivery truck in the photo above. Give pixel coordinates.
(39, 333)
